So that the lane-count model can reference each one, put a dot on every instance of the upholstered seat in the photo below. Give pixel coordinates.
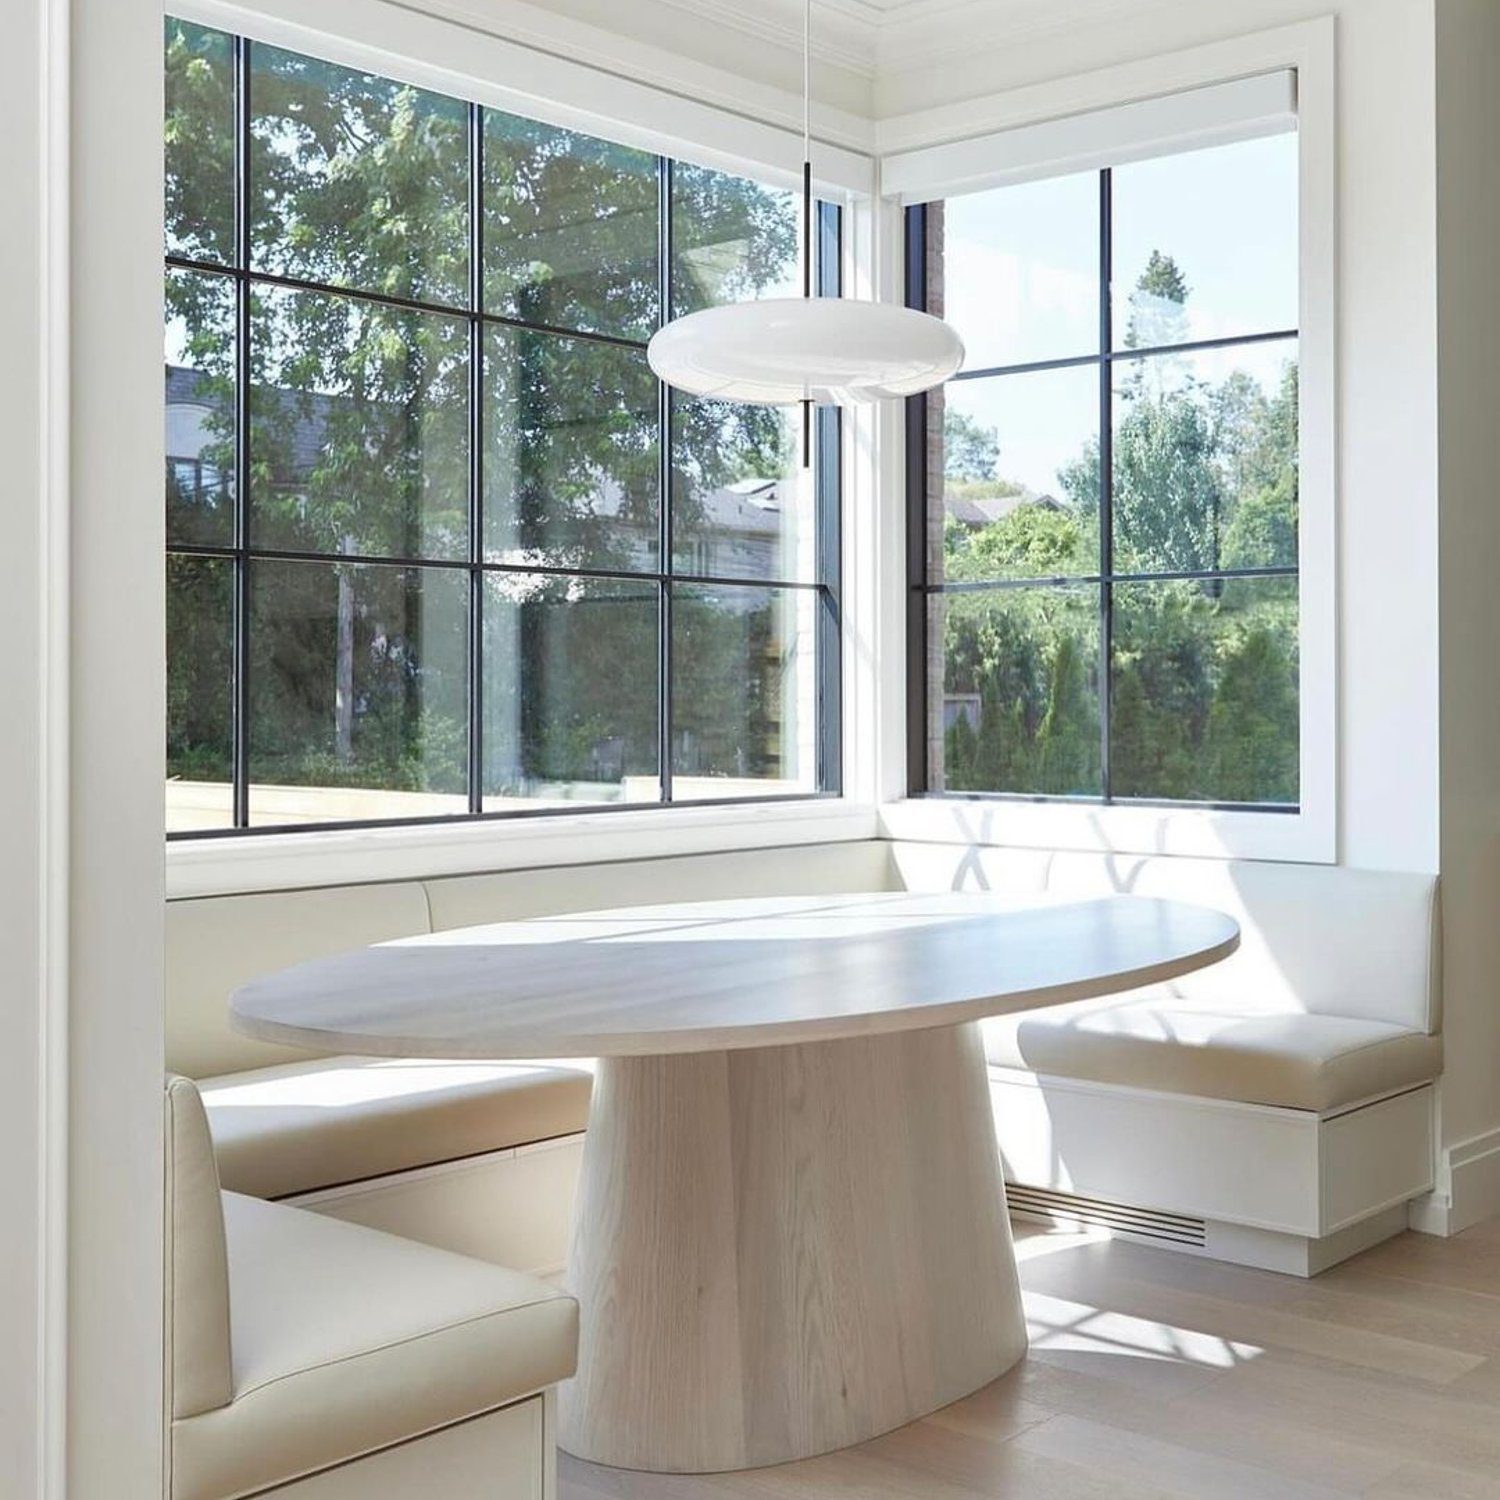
(297, 1127)
(1217, 1048)
(300, 1344)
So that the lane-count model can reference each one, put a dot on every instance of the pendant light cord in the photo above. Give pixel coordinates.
(807, 224)
(807, 203)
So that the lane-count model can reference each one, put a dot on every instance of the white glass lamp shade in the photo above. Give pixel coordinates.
(789, 349)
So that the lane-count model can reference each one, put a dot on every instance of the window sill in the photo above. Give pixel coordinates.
(1196, 832)
(269, 862)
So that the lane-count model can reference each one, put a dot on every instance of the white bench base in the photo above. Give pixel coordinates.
(1286, 1190)
(513, 1207)
(510, 1454)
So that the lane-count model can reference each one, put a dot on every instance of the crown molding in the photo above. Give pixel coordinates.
(844, 32)
(874, 38)
(545, 28)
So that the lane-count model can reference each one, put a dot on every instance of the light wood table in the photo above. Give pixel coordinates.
(791, 1230)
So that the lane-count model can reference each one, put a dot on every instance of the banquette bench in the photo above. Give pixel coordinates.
(309, 1359)
(1276, 1109)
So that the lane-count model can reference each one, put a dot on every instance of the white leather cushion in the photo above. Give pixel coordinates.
(196, 1295)
(810, 869)
(291, 1129)
(217, 943)
(1204, 1046)
(347, 1340)
(1324, 938)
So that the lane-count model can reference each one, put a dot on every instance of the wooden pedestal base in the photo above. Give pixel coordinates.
(786, 1250)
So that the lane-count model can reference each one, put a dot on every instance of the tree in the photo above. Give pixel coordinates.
(1158, 315)
(971, 451)
(359, 432)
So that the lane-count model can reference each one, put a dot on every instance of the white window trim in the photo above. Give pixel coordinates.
(1310, 834)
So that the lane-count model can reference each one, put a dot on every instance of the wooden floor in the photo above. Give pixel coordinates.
(1156, 1374)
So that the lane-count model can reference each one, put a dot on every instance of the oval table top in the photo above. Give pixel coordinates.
(717, 975)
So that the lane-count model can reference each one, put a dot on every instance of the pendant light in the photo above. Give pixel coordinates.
(811, 350)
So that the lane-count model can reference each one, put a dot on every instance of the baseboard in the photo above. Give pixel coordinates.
(1468, 1188)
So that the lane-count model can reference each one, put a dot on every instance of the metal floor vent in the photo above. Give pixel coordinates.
(1121, 1218)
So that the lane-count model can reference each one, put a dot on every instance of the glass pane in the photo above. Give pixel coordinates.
(1019, 493)
(358, 181)
(359, 427)
(742, 507)
(358, 692)
(200, 408)
(200, 693)
(570, 691)
(1205, 460)
(732, 240)
(572, 474)
(1019, 705)
(199, 142)
(571, 226)
(744, 691)
(1204, 701)
(1016, 270)
(1205, 244)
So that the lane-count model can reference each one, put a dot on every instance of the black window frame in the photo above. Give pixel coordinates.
(826, 586)
(920, 588)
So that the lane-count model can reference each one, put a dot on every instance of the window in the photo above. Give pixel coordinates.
(1104, 540)
(439, 544)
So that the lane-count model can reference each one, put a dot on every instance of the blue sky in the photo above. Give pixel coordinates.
(1021, 271)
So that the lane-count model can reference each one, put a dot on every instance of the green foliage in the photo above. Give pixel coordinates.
(1204, 699)
(359, 427)
(1033, 541)
(971, 451)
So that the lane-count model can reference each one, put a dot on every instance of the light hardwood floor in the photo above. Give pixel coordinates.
(1154, 1374)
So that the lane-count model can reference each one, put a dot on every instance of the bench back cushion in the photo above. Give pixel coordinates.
(1317, 938)
(196, 1262)
(217, 943)
(512, 895)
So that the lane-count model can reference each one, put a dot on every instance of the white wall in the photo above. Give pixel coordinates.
(1468, 220)
(24, 957)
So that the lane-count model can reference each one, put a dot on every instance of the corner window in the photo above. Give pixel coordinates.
(439, 544)
(1103, 551)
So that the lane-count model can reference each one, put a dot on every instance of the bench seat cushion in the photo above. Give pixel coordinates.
(346, 1340)
(298, 1127)
(1211, 1048)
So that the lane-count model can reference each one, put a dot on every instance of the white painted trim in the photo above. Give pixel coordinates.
(54, 294)
(272, 861)
(1216, 114)
(1468, 1187)
(455, 53)
(1310, 835)
(115, 576)
(1194, 832)
(34, 135)
(1104, 88)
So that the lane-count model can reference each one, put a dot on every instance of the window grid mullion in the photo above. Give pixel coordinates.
(664, 490)
(403, 304)
(476, 460)
(1106, 475)
(240, 686)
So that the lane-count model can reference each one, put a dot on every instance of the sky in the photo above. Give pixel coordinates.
(1021, 283)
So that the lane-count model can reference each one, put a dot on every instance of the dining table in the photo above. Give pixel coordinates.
(790, 1232)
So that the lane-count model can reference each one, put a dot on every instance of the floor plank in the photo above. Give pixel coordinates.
(1157, 1376)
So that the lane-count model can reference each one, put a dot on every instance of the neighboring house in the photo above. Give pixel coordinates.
(749, 529)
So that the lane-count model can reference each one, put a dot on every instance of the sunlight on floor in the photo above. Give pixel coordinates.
(1055, 1324)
